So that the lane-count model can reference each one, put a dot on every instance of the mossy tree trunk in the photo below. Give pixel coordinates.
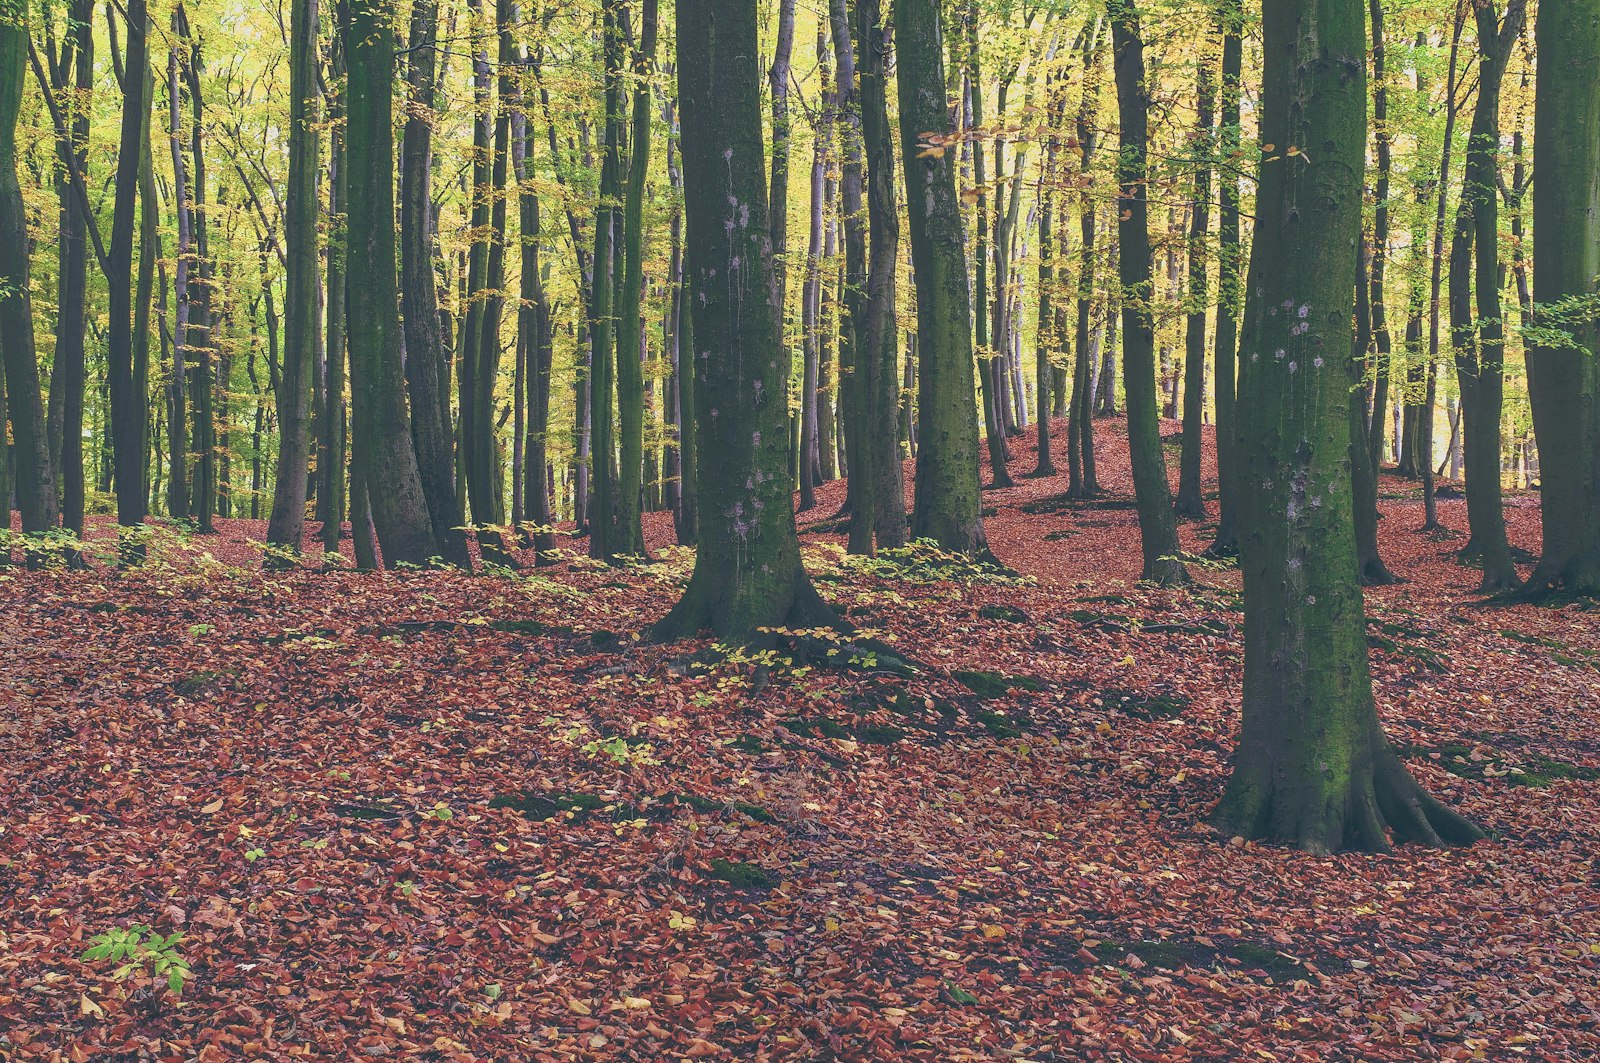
(1158, 529)
(946, 505)
(301, 333)
(1191, 501)
(747, 573)
(381, 423)
(427, 371)
(1313, 768)
(1563, 372)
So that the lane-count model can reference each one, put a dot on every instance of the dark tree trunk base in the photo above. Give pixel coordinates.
(1379, 797)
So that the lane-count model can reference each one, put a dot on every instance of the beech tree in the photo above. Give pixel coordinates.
(747, 570)
(1313, 767)
(946, 505)
(1564, 376)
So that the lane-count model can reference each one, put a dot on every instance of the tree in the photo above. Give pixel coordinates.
(1313, 767)
(946, 504)
(1190, 502)
(1475, 272)
(300, 318)
(1158, 530)
(127, 405)
(1230, 274)
(427, 366)
(1564, 376)
(380, 422)
(36, 485)
(747, 572)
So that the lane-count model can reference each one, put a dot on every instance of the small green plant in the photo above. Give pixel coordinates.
(441, 812)
(138, 948)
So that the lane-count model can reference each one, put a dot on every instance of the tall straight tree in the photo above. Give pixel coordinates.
(1230, 274)
(536, 339)
(1313, 768)
(1475, 288)
(879, 346)
(1080, 402)
(67, 369)
(334, 423)
(427, 367)
(1190, 501)
(608, 264)
(380, 422)
(300, 311)
(630, 370)
(946, 506)
(747, 571)
(36, 484)
(1563, 371)
(1158, 530)
(127, 405)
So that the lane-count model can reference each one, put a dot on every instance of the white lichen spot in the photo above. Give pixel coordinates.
(1293, 366)
(1317, 361)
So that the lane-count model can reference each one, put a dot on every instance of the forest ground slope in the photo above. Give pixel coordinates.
(456, 817)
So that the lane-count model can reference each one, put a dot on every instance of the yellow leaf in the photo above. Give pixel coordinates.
(993, 932)
(89, 1007)
(635, 1003)
(213, 807)
(830, 923)
(578, 1007)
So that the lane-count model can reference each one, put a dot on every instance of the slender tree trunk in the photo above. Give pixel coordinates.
(1157, 527)
(286, 527)
(382, 426)
(608, 261)
(426, 366)
(946, 506)
(331, 455)
(35, 478)
(1191, 501)
(1313, 768)
(1080, 406)
(1563, 378)
(1475, 270)
(1230, 275)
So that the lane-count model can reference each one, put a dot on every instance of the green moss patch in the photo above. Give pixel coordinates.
(1143, 705)
(1485, 763)
(1008, 613)
(994, 684)
(742, 874)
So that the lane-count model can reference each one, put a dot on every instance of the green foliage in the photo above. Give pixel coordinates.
(137, 949)
(924, 561)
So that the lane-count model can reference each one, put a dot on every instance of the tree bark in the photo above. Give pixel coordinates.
(1230, 276)
(1158, 529)
(1313, 768)
(1191, 501)
(747, 574)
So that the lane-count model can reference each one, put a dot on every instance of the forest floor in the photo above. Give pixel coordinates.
(438, 816)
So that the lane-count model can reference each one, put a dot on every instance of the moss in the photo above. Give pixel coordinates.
(748, 744)
(1008, 613)
(742, 874)
(196, 682)
(994, 684)
(820, 725)
(701, 803)
(545, 806)
(367, 810)
(1535, 770)
(875, 734)
(999, 725)
(1160, 706)
(604, 640)
(529, 627)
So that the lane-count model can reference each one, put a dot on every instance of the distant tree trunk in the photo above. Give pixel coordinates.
(1384, 136)
(630, 370)
(1230, 276)
(67, 372)
(198, 336)
(537, 341)
(850, 123)
(1157, 526)
(127, 405)
(1080, 406)
(35, 479)
(301, 334)
(1475, 270)
(946, 506)
(747, 573)
(1564, 380)
(1048, 338)
(988, 371)
(335, 425)
(1191, 502)
(426, 366)
(1363, 469)
(382, 427)
(608, 263)
(1313, 767)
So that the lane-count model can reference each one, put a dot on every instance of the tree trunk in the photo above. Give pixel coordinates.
(1480, 345)
(335, 424)
(382, 427)
(946, 506)
(35, 479)
(1563, 378)
(1191, 501)
(286, 527)
(747, 573)
(1158, 529)
(608, 262)
(1313, 768)
(426, 366)
(1230, 276)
